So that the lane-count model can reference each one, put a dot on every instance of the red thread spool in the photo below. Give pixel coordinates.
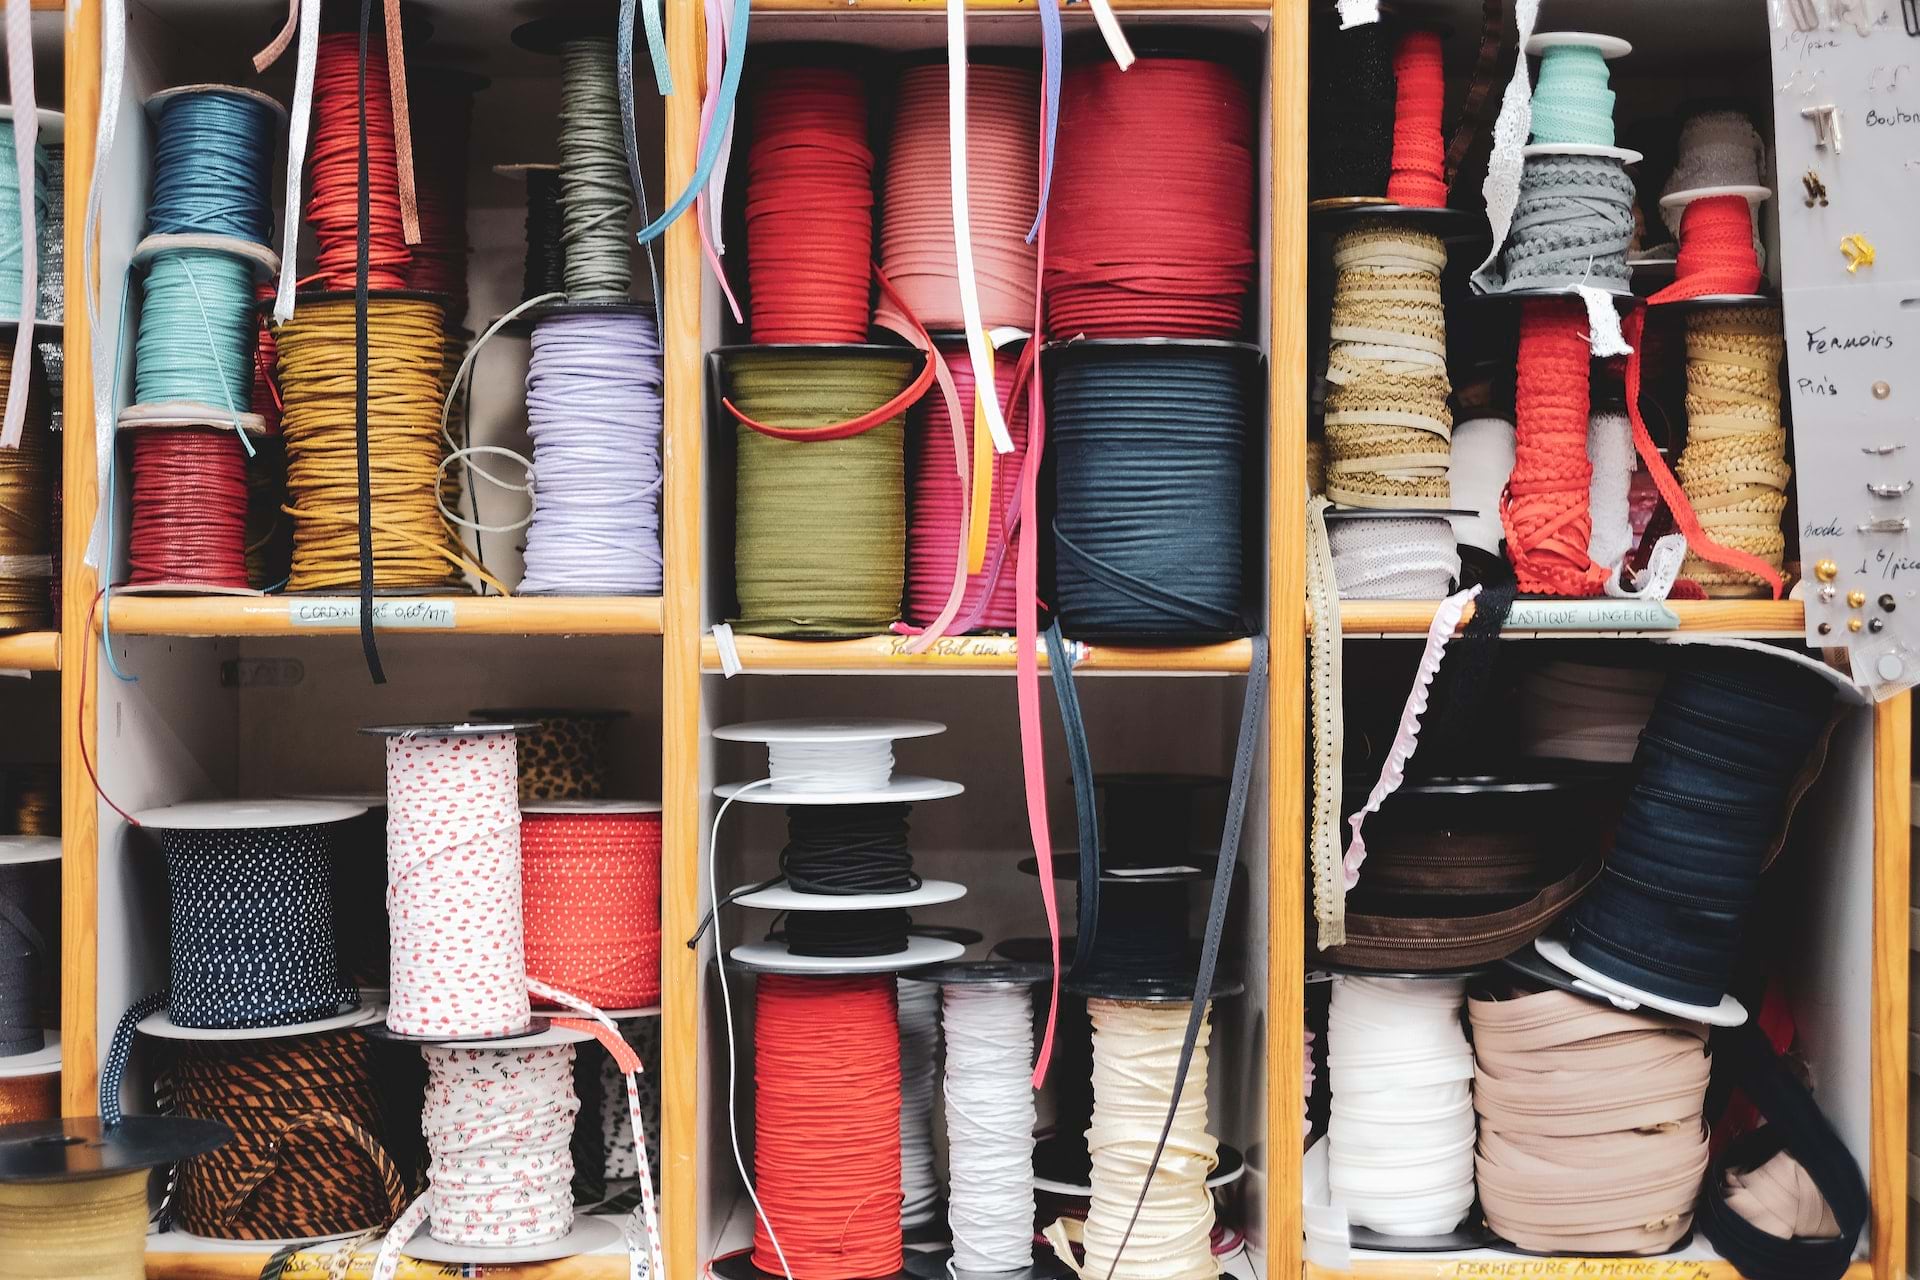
(189, 508)
(1716, 250)
(333, 200)
(809, 207)
(442, 110)
(590, 896)
(1150, 226)
(1003, 189)
(933, 494)
(827, 1126)
(1419, 175)
(1545, 509)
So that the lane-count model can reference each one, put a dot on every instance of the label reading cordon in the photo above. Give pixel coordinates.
(1591, 615)
(1576, 1269)
(388, 615)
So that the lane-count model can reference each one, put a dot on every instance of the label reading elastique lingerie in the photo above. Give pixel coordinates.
(1577, 1269)
(1591, 615)
(388, 615)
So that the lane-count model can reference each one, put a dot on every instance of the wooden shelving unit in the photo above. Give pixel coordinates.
(30, 651)
(414, 615)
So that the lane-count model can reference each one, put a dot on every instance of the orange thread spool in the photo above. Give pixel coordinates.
(590, 896)
(1419, 174)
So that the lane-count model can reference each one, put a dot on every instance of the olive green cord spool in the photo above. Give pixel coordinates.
(820, 525)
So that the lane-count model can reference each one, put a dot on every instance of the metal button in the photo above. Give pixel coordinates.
(1876, 625)
(1854, 624)
(1826, 571)
(1886, 603)
(1825, 628)
(1881, 391)
(1855, 599)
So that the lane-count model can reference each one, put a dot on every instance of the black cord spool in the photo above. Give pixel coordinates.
(843, 851)
(23, 949)
(1353, 93)
(1153, 443)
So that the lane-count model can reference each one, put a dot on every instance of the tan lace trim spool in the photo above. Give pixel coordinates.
(1734, 468)
(1387, 421)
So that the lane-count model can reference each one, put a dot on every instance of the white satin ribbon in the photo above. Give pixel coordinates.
(298, 121)
(26, 148)
(978, 349)
(113, 66)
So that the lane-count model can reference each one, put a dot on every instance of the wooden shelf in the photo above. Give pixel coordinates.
(427, 615)
(213, 1263)
(30, 651)
(1003, 6)
(1771, 619)
(1489, 1266)
(963, 655)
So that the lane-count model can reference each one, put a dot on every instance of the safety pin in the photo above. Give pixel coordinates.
(1890, 490)
(1886, 524)
(1880, 450)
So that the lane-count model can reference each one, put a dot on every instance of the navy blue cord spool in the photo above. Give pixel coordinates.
(253, 942)
(1153, 441)
(213, 166)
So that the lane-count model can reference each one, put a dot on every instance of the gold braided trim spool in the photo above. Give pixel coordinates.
(88, 1229)
(28, 477)
(1734, 467)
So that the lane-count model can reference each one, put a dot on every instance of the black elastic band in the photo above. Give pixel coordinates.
(363, 233)
(1794, 1125)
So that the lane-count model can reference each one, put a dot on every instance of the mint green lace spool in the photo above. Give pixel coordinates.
(1572, 102)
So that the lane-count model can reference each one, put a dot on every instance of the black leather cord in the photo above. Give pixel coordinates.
(368, 646)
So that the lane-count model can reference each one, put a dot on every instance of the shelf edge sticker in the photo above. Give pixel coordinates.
(343, 612)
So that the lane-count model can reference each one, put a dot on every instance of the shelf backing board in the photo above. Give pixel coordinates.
(1852, 336)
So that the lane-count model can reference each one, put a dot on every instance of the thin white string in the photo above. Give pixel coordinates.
(1400, 1132)
(919, 1059)
(990, 1119)
(830, 766)
(1136, 1051)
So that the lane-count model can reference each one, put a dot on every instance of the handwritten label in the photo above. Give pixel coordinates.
(1889, 565)
(1820, 386)
(1578, 1269)
(1825, 529)
(951, 647)
(1591, 615)
(388, 615)
(1821, 341)
(1877, 119)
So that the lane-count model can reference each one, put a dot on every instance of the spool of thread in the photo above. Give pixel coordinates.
(458, 966)
(828, 1183)
(190, 509)
(1136, 1049)
(411, 545)
(76, 1229)
(1716, 149)
(1151, 443)
(591, 902)
(919, 1005)
(1482, 459)
(1003, 189)
(563, 753)
(1400, 1133)
(51, 276)
(213, 163)
(1169, 258)
(988, 1031)
(1545, 514)
(1591, 1138)
(1734, 468)
(1579, 711)
(498, 1123)
(1387, 420)
(546, 265)
(196, 336)
(820, 525)
(596, 200)
(27, 1098)
(1158, 819)
(333, 173)
(23, 950)
(934, 494)
(307, 1159)
(441, 106)
(1398, 558)
(252, 900)
(28, 478)
(1572, 99)
(35, 809)
(1354, 96)
(1419, 175)
(1717, 249)
(1572, 225)
(12, 246)
(809, 206)
(594, 416)
(1140, 934)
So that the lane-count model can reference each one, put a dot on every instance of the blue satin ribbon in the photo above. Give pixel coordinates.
(1050, 100)
(716, 132)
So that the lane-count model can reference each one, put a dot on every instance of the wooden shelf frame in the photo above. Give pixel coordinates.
(473, 615)
(30, 651)
(966, 655)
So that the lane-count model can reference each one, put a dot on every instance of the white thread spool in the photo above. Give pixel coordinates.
(1400, 1133)
(990, 1121)
(1483, 453)
(458, 955)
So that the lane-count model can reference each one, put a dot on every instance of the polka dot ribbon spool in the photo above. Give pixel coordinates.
(252, 924)
(591, 900)
(458, 966)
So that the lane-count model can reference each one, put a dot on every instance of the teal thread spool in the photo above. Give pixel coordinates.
(195, 344)
(1572, 99)
(12, 256)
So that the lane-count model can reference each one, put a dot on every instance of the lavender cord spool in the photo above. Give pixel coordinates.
(594, 415)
